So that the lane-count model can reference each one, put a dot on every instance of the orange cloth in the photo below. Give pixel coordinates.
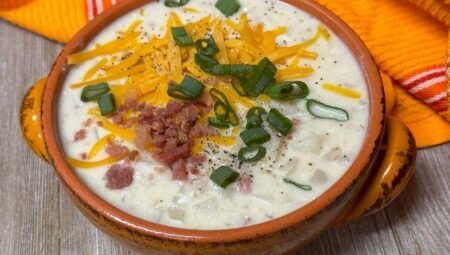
(408, 39)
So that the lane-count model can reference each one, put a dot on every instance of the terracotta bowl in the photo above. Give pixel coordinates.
(377, 176)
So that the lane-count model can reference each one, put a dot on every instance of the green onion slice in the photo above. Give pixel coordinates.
(223, 176)
(221, 110)
(181, 37)
(254, 118)
(279, 122)
(255, 135)
(237, 86)
(288, 90)
(262, 76)
(258, 151)
(175, 3)
(207, 47)
(218, 123)
(206, 63)
(107, 104)
(298, 185)
(231, 69)
(219, 96)
(228, 7)
(189, 89)
(93, 92)
(324, 111)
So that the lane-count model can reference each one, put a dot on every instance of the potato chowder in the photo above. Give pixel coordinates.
(207, 114)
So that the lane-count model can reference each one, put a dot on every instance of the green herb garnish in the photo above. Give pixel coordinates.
(288, 90)
(255, 135)
(107, 104)
(181, 37)
(279, 122)
(217, 95)
(189, 89)
(175, 3)
(93, 92)
(298, 185)
(260, 77)
(258, 151)
(254, 117)
(223, 176)
(324, 111)
(228, 7)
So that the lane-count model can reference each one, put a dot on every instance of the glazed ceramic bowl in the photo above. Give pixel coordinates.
(378, 174)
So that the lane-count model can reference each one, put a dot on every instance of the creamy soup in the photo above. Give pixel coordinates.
(183, 162)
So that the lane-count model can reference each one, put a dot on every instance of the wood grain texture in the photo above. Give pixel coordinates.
(36, 216)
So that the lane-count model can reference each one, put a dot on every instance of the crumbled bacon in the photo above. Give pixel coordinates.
(119, 176)
(296, 121)
(117, 151)
(133, 155)
(179, 172)
(245, 182)
(83, 155)
(87, 122)
(80, 135)
(170, 131)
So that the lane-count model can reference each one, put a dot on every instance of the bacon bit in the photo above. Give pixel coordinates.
(143, 137)
(179, 170)
(171, 131)
(79, 135)
(117, 151)
(290, 137)
(296, 121)
(245, 182)
(87, 122)
(133, 155)
(119, 176)
(83, 155)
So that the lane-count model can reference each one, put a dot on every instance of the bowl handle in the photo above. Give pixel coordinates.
(30, 119)
(394, 169)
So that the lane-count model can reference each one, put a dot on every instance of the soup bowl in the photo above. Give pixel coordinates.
(379, 173)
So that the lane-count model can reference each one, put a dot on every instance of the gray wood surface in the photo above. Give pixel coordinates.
(36, 216)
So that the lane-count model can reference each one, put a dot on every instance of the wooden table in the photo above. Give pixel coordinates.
(36, 216)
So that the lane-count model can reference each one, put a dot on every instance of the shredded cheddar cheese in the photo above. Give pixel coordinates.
(341, 90)
(99, 145)
(151, 64)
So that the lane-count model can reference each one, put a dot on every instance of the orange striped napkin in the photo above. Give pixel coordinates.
(409, 40)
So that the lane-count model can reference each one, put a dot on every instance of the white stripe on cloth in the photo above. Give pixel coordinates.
(428, 83)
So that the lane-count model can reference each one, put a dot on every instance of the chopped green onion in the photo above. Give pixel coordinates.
(228, 7)
(181, 37)
(207, 47)
(324, 111)
(262, 76)
(231, 69)
(254, 118)
(218, 123)
(107, 104)
(255, 135)
(223, 176)
(279, 122)
(258, 150)
(93, 92)
(175, 3)
(298, 185)
(189, 89)
(221, 110)
(239, 88)
(288, 90)
(206, 63)
(219, 96)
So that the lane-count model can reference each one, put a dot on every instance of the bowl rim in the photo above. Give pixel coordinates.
(119, 217)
